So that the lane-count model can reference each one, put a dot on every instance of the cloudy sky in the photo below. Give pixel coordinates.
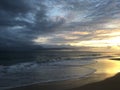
(78, 23)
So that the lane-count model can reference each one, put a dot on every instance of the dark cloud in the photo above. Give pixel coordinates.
(11, 9)
(23, 21)
(14, 6)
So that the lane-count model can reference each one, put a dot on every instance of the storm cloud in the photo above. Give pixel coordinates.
(37, 22)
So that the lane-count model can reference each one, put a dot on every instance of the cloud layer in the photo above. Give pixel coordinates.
(56, 22)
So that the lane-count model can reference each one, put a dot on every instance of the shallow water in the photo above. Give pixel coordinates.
(47, 66)
(29, 73)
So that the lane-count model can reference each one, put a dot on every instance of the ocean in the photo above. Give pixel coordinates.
(21, 69)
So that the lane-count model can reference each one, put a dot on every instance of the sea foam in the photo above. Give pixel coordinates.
(32, 72)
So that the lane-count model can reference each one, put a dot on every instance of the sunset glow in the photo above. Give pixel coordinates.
(114, 41)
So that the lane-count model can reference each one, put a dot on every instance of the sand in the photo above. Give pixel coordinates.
(88, 83)
(112, 83)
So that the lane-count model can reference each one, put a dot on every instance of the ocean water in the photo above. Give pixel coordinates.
(20, 69)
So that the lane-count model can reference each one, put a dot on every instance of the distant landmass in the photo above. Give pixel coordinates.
(30, 48)
(20, 48)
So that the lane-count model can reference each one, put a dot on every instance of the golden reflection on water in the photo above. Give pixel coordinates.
(109, 67)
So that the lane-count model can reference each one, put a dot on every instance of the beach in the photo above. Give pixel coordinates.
(105, 78)
(108, 84)
(112, 83)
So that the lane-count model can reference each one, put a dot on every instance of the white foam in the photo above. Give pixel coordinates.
(71, 62)
(32, 72)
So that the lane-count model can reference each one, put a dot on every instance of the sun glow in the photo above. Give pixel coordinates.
(113, 42)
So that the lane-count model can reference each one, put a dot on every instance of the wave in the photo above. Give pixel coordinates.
(33, 72)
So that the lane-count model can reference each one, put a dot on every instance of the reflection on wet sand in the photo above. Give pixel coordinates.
(108, 67)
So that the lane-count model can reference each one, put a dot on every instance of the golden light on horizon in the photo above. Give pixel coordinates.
(112, 42)
(101, 38)
(98, 38)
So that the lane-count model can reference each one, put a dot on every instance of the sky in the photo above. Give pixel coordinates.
(47, 23)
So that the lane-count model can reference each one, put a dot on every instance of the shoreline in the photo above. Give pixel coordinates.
(63, 85)
(85, 72)
(106, 75)
(112, 83)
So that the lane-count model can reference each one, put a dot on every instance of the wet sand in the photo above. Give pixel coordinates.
(112, 83)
